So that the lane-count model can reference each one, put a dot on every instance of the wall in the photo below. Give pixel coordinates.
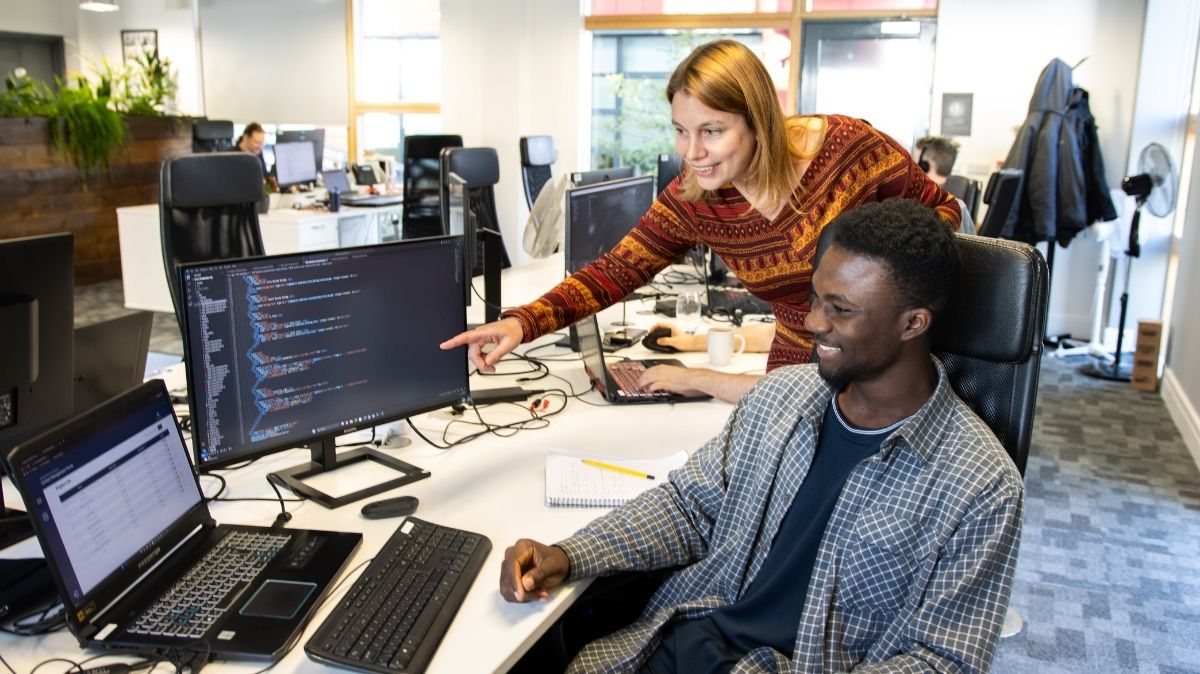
(511, 69)
(1001, 64)
(45, 17)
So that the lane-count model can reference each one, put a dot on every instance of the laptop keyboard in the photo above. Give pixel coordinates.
(191, 606)
(626, 374)
(394, 617)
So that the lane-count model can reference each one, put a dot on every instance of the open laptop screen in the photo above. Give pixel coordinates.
(591, 348)
(107, 491)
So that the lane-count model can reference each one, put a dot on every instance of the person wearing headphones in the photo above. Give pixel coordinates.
(935, 156)
(757, 187)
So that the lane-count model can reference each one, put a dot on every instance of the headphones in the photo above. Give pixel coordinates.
(924, 165)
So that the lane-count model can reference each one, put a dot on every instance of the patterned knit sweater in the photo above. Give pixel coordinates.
(856, 164)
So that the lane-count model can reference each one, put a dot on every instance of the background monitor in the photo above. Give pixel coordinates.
(314, 136)
(293, 350)
(669, 166)
(599, 215)
(294, 164)
(459, 219)
(581, 178)
(37, 362)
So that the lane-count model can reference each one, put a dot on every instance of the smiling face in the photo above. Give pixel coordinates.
(717, 146)
(856, 318)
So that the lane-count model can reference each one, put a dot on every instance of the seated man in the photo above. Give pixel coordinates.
(936, 156)
(853, 513)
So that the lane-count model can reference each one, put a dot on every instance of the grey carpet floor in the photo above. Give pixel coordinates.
(1109, 572)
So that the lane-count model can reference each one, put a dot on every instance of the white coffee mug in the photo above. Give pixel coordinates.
(720, 345)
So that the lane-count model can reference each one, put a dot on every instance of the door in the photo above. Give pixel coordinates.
(880, 71)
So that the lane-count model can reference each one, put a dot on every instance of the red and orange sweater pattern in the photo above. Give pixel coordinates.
(856, 164)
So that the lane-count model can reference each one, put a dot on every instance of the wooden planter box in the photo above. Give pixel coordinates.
(41, 193)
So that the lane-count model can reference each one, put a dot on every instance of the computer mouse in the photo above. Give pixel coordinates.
(392, 507)
(650, 341)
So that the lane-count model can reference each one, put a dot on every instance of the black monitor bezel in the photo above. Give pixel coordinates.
(293, 443)
(588, 190)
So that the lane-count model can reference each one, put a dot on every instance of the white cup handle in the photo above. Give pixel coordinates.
(740, 340)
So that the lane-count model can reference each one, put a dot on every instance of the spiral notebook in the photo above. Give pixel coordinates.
(572, 482)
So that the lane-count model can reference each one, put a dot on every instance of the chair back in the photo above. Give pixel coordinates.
(537, 156)
(212, 135)
(422, 208)
(208, 210)
(989, 337)
(966, 189)
(1002, 197)
(479, 168)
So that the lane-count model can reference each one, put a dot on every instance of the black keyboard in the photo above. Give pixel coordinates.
(394, 617)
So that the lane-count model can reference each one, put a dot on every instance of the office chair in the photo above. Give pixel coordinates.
(212, 135)
(966, 189)
(422, 193)
(207, 207)
(479, 167)
(1003, 199)
(537, 156)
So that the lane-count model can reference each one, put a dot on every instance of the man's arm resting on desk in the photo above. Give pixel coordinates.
(684, 380)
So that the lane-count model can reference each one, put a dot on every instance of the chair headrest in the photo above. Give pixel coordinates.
(996, 311)
(428, 146)
(537, 151)
(216, 179)
(212, 129)
(478, 166)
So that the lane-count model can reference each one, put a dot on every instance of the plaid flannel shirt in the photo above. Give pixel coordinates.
(913, 573)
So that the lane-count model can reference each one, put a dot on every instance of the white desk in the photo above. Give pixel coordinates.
(283, 231)
(494, 486)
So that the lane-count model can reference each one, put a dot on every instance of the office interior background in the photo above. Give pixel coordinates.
(589, 74)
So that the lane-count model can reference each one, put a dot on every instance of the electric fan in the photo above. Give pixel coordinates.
(1154, 188)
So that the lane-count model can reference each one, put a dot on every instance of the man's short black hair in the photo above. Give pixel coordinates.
(940, 152)
(911, 240)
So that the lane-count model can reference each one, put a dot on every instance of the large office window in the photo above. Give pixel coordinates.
(397, 74)
(631, 119)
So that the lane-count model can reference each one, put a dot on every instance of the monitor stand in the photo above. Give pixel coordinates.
(325, 458)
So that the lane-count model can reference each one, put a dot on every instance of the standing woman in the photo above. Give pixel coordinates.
(757, 187)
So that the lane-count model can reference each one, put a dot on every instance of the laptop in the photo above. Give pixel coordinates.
(618, 382)
(139, 561)
(728, 301)
(110, 357)
(337, 180)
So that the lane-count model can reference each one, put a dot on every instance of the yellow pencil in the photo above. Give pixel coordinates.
(618, 469)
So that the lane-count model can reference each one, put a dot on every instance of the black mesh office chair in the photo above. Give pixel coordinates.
(537, 156)
(422, 193)
(1002, 197)
(207, 211)
(479, 168)
(966, 189)
(212, 135)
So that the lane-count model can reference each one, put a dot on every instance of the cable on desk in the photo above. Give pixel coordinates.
(45, 623)
(6, 665)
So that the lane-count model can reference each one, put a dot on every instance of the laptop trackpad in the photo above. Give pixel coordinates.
(278, 599)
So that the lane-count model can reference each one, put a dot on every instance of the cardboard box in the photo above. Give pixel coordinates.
(1145, 356)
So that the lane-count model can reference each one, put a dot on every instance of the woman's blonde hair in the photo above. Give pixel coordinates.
(725, 75)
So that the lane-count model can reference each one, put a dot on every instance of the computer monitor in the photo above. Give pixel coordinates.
(296, 350)
(600, 215)
(582, 178)
(294, 164)
(669, 166)
(314, 136)
(37, 363)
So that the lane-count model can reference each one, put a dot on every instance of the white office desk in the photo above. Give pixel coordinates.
(283, 231)
(494, 486)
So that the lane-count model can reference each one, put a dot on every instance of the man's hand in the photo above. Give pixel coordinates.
(681, 380)
(505, 334)
(530, 570)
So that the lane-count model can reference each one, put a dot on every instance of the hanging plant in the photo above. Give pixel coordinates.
(85, 129)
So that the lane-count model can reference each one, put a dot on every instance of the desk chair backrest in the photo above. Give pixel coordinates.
(422, 208)
(479, 167)
(212, 135)
(208, 211)
(989, 338)
(966, 189)
(1003, 198)
(537, 156)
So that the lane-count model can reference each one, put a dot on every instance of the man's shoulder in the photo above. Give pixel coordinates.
(967, 447)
